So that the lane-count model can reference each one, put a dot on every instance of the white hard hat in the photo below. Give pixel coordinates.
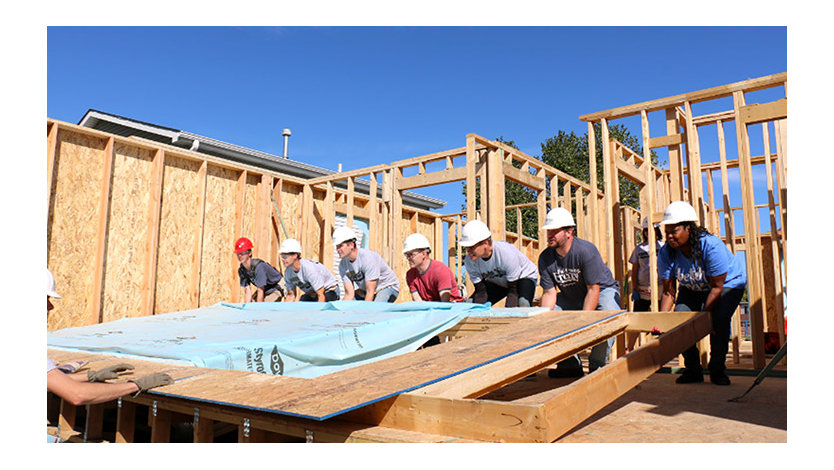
(677, 212)
(50, 285)
(290, 245)
(343, 234)
(557, 218)
(473, 232)
(415, 241)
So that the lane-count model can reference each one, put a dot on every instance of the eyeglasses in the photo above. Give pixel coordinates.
(411, 254)
(286, 255)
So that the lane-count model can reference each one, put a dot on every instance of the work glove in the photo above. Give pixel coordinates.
(635, 296)
(148, 382)
(110, 372)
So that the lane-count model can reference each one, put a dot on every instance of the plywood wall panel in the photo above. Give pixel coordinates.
(71, 232)
(179, 232)
(216, 278)
(126, 231)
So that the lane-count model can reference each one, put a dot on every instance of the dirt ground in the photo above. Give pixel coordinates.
(659, 410)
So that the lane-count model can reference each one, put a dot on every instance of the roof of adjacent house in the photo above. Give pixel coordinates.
(125, 126)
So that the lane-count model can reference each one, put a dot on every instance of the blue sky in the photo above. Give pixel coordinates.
(361, 96)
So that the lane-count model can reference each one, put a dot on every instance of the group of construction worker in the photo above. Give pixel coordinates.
(696, 272)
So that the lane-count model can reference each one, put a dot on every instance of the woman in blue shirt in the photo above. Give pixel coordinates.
(700, 273)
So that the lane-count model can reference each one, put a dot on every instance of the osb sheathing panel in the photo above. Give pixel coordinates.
(291, 210)
(127, 229)
(73, 226)
(217, 278)
(179, 233)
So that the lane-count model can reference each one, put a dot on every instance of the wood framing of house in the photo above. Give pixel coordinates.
(159, 222)
(765, 253)
(430, 395)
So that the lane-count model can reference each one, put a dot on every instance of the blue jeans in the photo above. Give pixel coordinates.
(609, 299)
(389, 294)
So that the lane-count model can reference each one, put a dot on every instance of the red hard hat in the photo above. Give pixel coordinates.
(243, 244)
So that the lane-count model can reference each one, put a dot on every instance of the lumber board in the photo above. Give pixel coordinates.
(756, 113)
(568, 406)
(333, 394)
(478, 382)
(448, 175)
(667, 140)
(721, 91)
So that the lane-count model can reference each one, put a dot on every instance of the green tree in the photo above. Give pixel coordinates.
(566, 152)
(569, 153)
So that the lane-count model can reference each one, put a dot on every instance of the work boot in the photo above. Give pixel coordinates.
(564, 373)
(719, 378)
(689, 377)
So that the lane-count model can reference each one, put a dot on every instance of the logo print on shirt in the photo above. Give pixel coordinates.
(305, 286)
(497, 272)
(566, 277)
(356, 277)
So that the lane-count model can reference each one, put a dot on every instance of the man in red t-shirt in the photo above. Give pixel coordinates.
(428, 279)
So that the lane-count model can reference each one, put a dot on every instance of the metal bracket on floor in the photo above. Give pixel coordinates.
(309, 436)
(246, 427)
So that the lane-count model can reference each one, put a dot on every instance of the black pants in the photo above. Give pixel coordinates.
(719, 337)
(329, 296)
(642, 305)
(526, 290)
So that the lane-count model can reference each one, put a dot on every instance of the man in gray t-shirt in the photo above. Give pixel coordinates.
(584, 281)
(496, 268)
(365, 274)
(316, 283)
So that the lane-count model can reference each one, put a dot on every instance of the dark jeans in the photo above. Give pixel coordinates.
(329, 296)
(719, 337)
(526, 290)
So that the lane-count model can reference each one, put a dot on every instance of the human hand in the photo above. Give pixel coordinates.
(110, 372)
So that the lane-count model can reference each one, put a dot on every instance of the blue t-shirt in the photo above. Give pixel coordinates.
(716, 259)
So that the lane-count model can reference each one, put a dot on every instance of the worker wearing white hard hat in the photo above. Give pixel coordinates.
(496, 268)
(699, 273)
(313, 279)
(366, 276)
(641, 288)
(78, 385)
(584, 282)
(428, 279)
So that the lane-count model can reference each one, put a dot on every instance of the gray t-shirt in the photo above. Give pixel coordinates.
(506, 264)
(640, 255)
(581, 267)
(368, 266)
(311, 277)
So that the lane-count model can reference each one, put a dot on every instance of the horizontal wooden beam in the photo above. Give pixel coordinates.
(756, 113)
(523, 177)
(722, 91)
(667, 140)
(630, 171)
(448, 175)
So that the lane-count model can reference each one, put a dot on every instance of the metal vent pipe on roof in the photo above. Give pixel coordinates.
(286, 133)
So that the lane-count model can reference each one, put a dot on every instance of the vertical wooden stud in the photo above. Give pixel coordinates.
(125, 421)
(751, 236)
(94, 305)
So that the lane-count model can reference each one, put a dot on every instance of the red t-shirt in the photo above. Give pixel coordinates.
(429, 284)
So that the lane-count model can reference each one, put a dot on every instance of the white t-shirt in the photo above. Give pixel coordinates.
(368, 266)
(506, 264)
(311, 277)
(640, 255)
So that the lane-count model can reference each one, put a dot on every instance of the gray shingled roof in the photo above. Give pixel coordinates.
(124, 126)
